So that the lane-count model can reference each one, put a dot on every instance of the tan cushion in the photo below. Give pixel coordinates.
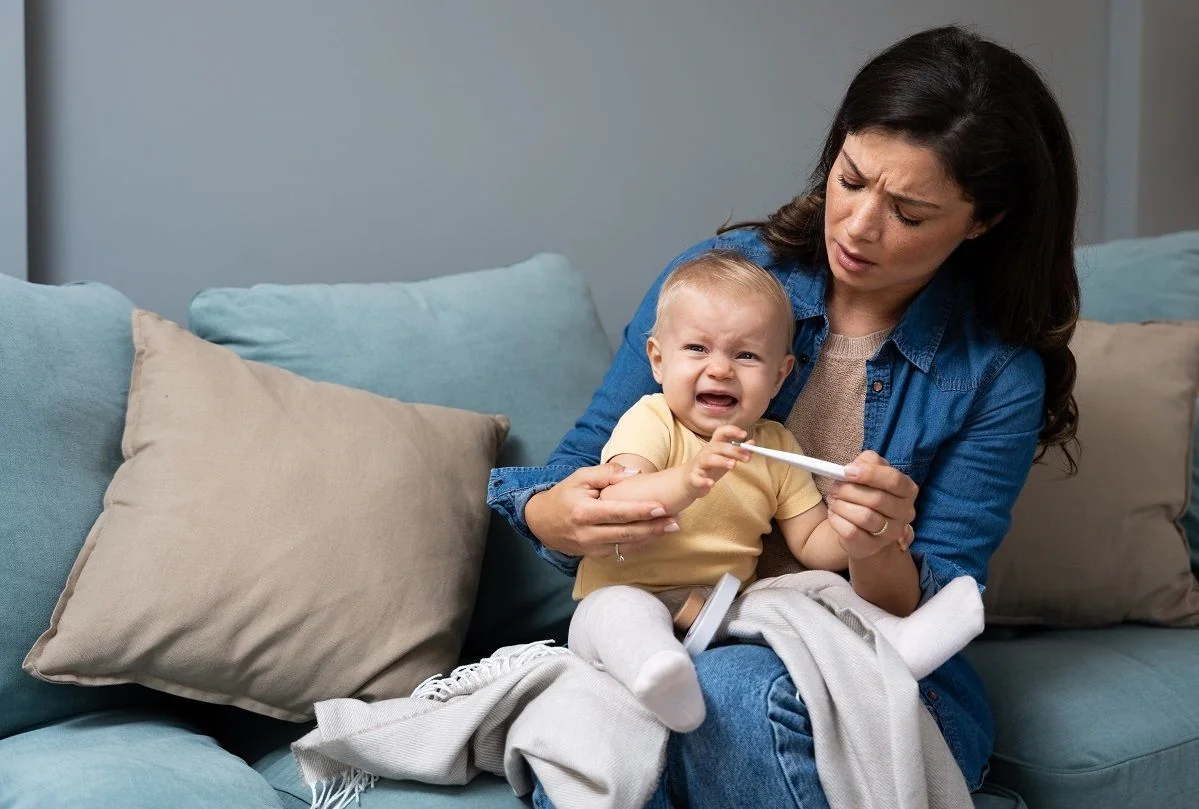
(1105, 546)
(271, 541)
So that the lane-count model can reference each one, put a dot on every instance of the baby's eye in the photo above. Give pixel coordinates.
(694, 347)
(747, 355)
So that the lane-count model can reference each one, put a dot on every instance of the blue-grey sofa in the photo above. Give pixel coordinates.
(1086, 719)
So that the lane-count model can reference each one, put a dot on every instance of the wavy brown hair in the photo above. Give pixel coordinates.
(996, 127)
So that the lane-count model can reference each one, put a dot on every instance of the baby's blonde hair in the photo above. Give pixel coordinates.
(729, 272)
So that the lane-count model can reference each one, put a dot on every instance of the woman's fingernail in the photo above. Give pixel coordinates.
(658, 512)
(852, 471)
(629, 470)
(671, 527)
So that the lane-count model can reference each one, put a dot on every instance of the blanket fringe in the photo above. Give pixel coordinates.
(470, 677)
(342, 790)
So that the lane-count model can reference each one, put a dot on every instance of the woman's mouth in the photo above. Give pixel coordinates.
(853, 262)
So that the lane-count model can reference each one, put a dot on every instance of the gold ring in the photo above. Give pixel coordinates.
(619, 555)
(879, 532)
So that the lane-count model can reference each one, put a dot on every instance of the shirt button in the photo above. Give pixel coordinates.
(496, 482)
(877, 387)
(932, 695)
(804, 359)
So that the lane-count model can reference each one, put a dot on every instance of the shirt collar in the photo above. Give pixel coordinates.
(919, 331)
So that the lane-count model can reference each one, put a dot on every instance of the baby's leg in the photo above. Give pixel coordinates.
(629, 632)
(935, 632)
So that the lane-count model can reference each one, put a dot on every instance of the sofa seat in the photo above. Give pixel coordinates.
(484, 792)
(1096, 719)
(126, 759)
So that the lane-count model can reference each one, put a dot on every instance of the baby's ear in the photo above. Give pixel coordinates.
(654, 352)
(784, 371)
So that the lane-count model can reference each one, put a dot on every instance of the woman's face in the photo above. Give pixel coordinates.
(892, 215)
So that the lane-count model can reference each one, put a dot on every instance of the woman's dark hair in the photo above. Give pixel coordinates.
(994, 124)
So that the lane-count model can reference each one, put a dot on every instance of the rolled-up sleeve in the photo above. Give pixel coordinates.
(509, 490)
(964, 508)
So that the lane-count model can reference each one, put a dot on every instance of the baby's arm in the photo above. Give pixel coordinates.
(813, 541)
(679, 486)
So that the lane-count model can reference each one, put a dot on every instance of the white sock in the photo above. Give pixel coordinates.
(939, 629)
(668, 686)
(629, 632)
(935, 632)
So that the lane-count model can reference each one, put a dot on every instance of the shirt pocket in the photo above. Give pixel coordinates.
(916, 467)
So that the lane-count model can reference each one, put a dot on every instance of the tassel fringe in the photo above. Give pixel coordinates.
(343, 790)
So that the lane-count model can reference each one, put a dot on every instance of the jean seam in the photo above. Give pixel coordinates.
(792, 787)
(950, 733)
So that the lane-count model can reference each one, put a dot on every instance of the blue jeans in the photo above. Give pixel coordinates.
(755, 748)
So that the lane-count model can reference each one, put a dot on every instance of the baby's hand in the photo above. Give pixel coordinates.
(715, 460)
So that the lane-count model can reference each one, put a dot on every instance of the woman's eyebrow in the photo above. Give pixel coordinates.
(917, 203)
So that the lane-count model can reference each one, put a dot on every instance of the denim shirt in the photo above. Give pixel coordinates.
(947, 403)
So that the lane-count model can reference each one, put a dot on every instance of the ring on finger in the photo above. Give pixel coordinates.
(879, 532)
(616, 550)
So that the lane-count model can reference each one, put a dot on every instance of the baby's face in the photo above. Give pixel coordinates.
(719, 360)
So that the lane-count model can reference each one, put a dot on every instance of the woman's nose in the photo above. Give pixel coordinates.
(863, 224)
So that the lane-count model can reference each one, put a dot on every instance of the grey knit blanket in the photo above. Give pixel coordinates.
(538, 709)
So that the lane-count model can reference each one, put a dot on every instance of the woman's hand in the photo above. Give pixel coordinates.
(570, 517)
(874, 508)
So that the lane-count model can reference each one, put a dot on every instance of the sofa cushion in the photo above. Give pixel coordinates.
(523, 340)
(125, 759)
(65, 356)
(484, 792)
(990, 796)
(1155, 278)
(271, 541)
(1095, 719)
(1104, 546)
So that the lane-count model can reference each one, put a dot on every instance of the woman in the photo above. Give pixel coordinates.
(930, 267)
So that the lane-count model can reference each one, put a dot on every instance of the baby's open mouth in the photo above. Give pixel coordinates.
(716, 400)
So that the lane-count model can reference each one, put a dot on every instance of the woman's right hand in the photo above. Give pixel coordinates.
(571, 518)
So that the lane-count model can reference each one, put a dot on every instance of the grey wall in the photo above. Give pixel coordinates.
(12, 139)
(1151, 163)
(1122, 142)
(177, 145)
(1168, 145)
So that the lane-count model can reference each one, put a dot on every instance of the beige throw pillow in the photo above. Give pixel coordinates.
(1105, 546)
(271, 541)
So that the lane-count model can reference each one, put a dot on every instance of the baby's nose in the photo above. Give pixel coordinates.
(719, 367)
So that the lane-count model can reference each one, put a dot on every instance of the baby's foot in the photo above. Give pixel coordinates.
(668, 686)
(939, 629)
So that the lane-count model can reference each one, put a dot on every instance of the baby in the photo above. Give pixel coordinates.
(720, 349)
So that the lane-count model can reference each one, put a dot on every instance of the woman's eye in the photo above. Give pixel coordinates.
(904, 220)
(847, 185)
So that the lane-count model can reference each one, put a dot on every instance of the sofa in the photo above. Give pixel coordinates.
(137, 704)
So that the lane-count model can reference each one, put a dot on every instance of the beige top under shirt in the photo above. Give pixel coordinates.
(827, 416)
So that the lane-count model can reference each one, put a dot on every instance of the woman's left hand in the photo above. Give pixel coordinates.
(874, 508)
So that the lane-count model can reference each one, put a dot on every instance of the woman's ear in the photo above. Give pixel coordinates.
(979, 228)
(654, 352)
